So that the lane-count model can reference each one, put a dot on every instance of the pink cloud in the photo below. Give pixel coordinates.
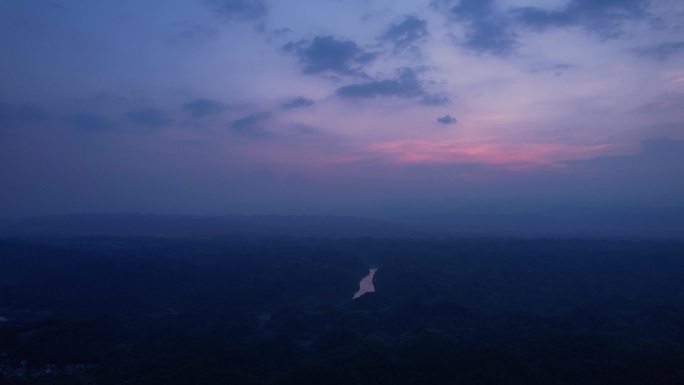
(511, 156)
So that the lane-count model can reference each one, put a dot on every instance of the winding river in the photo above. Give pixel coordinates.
(366, 284)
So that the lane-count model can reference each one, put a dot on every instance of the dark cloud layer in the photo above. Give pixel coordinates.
(487, 31)
(491, 36)
(473, 9)
(201, 107)
(406, 85)
(297, 102)
(406, 33)
(446, 119)
(604, 17)
(149, 117)
(491, 30)
(251, 125)
(239, 9)
(327, 54)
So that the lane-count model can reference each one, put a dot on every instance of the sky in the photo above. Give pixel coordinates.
(354, 107)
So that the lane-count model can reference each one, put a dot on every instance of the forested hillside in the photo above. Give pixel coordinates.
(274, 310)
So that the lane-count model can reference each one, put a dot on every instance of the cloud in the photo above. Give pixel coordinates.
(239, 9)
(327, 54)
(663, 51)
(604, 17)
(20, 115)
(406, 33)
(201, 107)
(406, 85)
(149, 117)
(487, 31)
(87, 121)
(446, 119)
(473, 9)
(297, 102)
(251, 125)
(489, 36)
(439, 99)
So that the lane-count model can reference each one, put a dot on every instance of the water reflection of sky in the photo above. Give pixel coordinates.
(366, 284)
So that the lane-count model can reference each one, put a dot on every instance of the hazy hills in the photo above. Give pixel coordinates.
(564, 223)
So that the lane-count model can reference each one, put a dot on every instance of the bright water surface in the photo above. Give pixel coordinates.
(366, 284)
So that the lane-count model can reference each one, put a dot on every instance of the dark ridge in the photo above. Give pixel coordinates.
(566, 223)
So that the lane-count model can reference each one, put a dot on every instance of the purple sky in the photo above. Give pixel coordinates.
(339, 107)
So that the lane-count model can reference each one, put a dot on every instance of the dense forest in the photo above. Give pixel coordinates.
(279, 310)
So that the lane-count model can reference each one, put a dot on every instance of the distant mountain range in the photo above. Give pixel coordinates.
(202, 226)
(576, 223)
